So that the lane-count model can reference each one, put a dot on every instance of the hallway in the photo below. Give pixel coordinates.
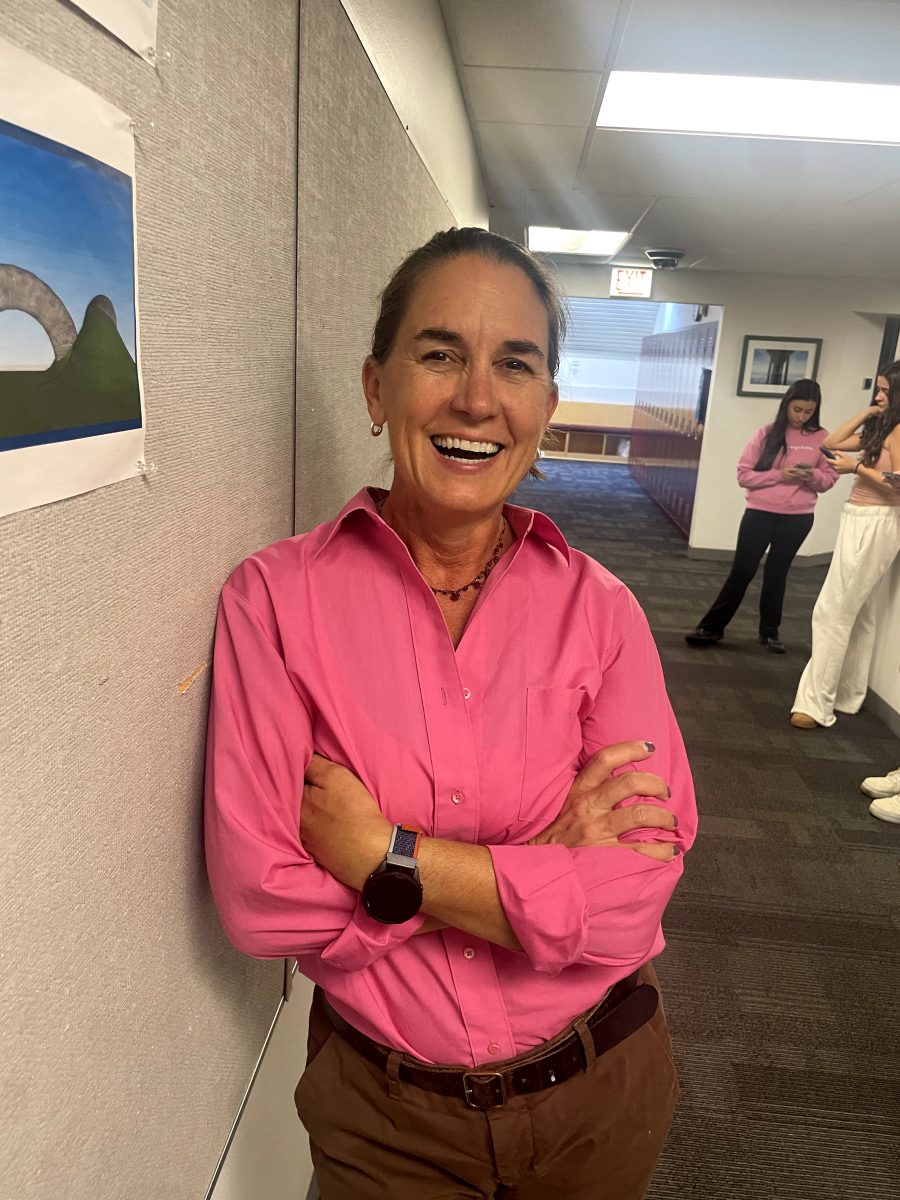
(782, 970)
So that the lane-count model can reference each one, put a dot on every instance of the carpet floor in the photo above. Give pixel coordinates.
(782, 970)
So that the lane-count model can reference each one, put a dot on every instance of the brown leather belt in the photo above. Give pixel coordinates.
(627, 1006)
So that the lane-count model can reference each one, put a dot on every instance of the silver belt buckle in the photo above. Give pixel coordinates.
(477, 1083)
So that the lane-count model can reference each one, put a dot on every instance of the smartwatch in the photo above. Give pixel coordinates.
(393, 892)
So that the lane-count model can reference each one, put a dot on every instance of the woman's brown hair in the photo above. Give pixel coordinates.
(875, 429)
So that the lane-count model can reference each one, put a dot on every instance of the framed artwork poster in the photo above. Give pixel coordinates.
(769, 365)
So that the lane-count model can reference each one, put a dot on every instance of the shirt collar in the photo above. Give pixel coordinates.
(525, 521)
(528, 521)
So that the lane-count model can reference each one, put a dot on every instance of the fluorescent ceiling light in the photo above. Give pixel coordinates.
(601, 242)
(751, 107)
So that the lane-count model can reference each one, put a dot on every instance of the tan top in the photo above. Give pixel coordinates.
(866, 493)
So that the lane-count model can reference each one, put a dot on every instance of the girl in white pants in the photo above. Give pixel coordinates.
(868, 541)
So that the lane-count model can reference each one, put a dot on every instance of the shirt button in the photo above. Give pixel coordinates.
(468, 952)
(493, 1048)
(457, 797)
(467, 694)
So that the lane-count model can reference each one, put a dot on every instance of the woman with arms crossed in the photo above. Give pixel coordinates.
(482, 861)
(783, 473)
(868, 540)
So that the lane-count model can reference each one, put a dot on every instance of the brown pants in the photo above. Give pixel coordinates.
(597, 1136)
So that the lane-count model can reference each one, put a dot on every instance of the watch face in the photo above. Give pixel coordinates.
(392, 896)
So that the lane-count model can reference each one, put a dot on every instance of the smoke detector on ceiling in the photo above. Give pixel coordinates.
(665, 260)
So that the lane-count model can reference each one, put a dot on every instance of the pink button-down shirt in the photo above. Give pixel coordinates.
(332, 641)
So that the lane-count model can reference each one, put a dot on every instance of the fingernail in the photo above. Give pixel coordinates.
(649, 747)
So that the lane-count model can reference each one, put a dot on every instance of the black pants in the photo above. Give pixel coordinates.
(784, 534)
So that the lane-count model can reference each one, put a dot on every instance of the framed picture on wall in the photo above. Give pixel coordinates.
(769, 365)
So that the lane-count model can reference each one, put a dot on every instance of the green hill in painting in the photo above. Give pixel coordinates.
(94, 383)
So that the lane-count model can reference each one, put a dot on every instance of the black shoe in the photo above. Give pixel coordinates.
(775, 644)
(702, 636)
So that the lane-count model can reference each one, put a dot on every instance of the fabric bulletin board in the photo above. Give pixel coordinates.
(131, 1027)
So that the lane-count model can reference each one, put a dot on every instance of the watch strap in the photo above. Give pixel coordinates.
(405, 842)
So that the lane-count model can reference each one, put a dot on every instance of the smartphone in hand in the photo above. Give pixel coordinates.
(823, 450)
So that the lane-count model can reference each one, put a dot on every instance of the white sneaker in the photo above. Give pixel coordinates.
(882, 785)
(886, 809)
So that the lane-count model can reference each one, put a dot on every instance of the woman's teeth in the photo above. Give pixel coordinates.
(463, 449)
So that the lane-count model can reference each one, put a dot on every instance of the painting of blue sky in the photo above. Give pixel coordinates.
(67, 312)
(66, 218)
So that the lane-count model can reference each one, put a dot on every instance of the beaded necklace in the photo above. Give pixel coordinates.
(481, 577)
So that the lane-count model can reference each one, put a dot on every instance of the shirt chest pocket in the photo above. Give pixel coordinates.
(553, 743)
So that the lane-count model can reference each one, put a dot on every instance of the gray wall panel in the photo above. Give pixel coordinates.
(366, 200)
(130, 1026)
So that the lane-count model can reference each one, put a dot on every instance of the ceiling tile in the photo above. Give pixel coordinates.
(585, 210)
(876, 205)
(505, 195)
(742, 168)
(538, 156)
(509, 222)
(788, 246)
(531, 97)
(810, 239)
(569, 35)
(870, 255)
(702, 225)
(730, 262)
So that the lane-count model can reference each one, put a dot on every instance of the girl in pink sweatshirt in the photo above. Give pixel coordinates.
(783, 471)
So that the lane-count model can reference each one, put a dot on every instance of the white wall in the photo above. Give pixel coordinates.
(406, 41)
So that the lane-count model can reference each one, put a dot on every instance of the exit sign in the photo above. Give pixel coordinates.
(631, 281)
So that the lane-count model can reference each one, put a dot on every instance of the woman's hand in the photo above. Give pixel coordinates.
(341, 826)
(590, 817)
(844, 464)
(795, 474)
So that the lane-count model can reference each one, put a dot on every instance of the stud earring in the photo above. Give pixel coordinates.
(376, 430)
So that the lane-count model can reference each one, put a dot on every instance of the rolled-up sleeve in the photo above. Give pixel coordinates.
(273, 899)
(604, 904)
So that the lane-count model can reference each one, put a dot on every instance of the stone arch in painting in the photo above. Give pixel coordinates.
(25, 292)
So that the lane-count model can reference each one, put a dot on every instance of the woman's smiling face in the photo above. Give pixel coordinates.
(466, 391)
